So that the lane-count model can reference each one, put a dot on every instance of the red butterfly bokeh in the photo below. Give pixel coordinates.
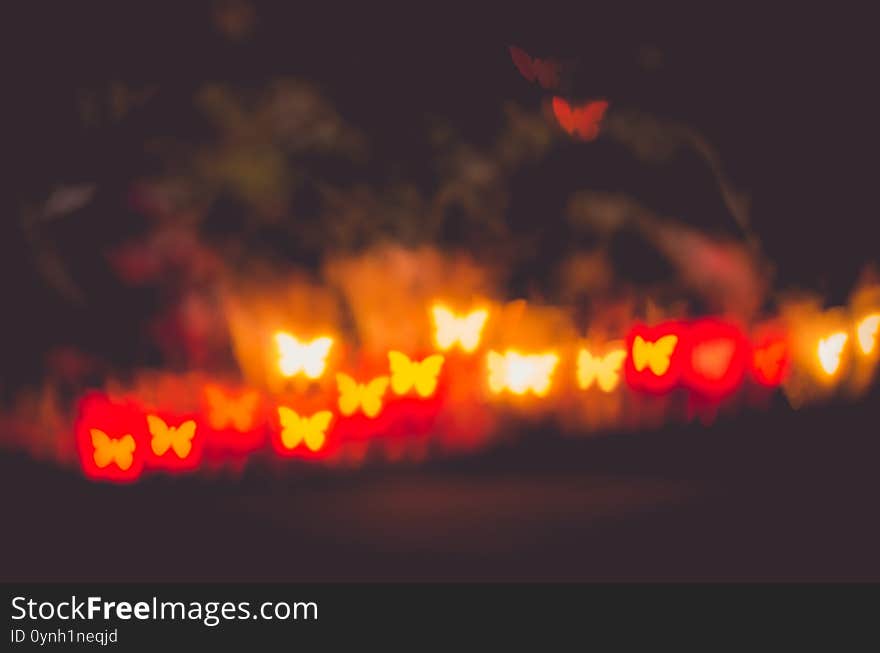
(546, 72)
(582, 121)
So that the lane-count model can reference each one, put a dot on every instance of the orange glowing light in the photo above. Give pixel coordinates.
(713, 357)
(465, 330)
(112, 450)
(226, 411)
(829, 351)
(656, 356)
(364, 396)
(770, 361)
(165, 437)
(521, 373)
(867, 330)
(408, 374)
(603, 370)
(297, 356)
(296, 429)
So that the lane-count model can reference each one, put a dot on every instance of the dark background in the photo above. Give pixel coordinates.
(787, 99)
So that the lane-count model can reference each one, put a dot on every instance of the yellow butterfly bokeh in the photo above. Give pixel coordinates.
(829, 350)
(451, 329)
(296, 356)
(603, 370)
(656, 356)
(867, 330)
(165, 437)
(112, 450)
(521, 373)
(408, 374)
(225, 411)
(296, 428)
(366, 397)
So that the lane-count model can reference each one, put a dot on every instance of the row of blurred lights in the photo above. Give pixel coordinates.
(118, 438)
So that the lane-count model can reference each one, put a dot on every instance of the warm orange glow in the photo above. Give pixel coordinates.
(867, 330)
(654, 355)
(770, 362)
(369, 377)
(112, 450)
(829, 351)
(296, 429)
(296, 356)
(179, 438)
(521, 373)
(604, 370)
(364, 396)
(226, 411)
(465, 330)
(712, 358)
(421, 375)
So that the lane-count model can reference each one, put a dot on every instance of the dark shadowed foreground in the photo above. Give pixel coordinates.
(766, 497)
